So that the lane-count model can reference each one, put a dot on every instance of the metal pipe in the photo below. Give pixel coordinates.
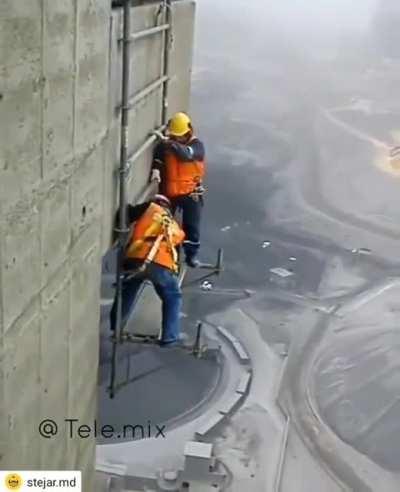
(182, 275)
(123, 153)
(122, 184)
(150, 190)
(145, 145)
(146, 32)
(146, 91)
(220, 261)
(197, 342)
(167, 45)
(149, 32)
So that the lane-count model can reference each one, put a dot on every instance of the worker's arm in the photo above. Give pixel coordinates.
(159, 156)
(133, 213)
(157, 168)
(193, 151)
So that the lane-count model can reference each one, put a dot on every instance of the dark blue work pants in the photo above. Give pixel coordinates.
(191, 216)
(166, 285)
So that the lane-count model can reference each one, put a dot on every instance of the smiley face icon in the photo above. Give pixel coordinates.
(13, 481)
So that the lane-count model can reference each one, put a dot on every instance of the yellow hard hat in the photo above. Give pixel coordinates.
(179, 125)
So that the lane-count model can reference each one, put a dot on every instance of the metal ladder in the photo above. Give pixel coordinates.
(127, 161)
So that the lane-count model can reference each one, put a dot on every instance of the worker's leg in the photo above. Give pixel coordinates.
(130, 289)
(191, 215)
(175, 205)
(166, 285)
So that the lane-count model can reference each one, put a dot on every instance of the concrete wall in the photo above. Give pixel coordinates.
(59, 137)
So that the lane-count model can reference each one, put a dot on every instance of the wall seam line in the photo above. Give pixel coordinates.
(76, 70)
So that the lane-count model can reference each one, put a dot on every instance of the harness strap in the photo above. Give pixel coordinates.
(165, 234)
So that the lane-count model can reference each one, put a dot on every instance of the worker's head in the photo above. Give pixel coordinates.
(180, 127)
(162, 200)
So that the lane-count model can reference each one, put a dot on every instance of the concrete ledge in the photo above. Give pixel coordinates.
(111, 468)
(244, 383)
(231, 402)
(236, 345)
(229, 405)
(241, 352)
(226, 334)
(210, 425)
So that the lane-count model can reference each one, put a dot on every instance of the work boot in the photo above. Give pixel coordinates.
(192, 262)
(171, 344)
(178, 342)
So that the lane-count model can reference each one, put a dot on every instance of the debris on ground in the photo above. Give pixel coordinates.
(361, 251)
(206, 285)
(281, 272)
(282, 277)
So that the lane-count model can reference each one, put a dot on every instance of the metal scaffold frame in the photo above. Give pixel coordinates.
(129, 102)
(123, 168)
(126, 162)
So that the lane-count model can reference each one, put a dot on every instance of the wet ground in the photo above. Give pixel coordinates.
(357, 380)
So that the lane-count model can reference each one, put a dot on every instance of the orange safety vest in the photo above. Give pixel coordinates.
(182, 177)
(154, 222)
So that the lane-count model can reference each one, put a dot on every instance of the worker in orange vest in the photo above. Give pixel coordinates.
(179, 168)
(150, 254)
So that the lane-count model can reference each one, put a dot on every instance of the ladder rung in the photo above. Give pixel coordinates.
(148, 142)
(147, 90)
(149, 32)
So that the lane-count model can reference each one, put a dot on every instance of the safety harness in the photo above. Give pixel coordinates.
(197, 194)
(165, 234)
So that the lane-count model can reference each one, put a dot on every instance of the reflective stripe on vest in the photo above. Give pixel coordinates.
(154, 222)
(182, 177)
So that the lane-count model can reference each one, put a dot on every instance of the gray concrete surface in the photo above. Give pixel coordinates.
(54, 128)
(59, 151)
(355, 383)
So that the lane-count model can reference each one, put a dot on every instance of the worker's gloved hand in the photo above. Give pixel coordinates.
(155, 176)
(160, 135)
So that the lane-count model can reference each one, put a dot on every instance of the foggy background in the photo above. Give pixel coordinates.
(293, 100)
(301, 23)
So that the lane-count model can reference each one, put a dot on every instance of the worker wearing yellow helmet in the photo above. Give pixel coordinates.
(179, 168)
